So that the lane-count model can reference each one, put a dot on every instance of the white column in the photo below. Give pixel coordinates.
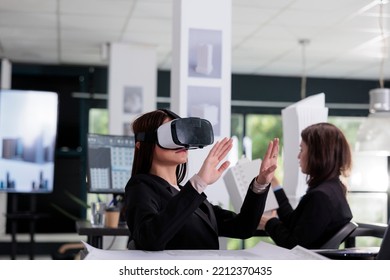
(6, 74)
(201, 73)
(132, 90)
(132, 85)
(5, 83)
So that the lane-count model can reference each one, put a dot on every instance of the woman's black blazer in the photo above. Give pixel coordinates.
(160, 217)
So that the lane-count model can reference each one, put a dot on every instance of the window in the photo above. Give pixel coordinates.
(368, 183)
(98, 121)
(260, 129)
(367, 195)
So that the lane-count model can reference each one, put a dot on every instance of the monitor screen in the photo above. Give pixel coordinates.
(110, 160)
(28, 130)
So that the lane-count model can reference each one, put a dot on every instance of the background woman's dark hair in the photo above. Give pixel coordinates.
(328, 154)
(143, 156)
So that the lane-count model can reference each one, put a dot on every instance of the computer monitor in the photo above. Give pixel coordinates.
(110, 160)
(28, 130)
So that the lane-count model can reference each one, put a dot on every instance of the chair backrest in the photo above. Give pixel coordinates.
(340, 236)
(384, 250)
(131, 245)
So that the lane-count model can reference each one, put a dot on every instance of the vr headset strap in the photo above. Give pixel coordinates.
(171, 114)
(151, 137)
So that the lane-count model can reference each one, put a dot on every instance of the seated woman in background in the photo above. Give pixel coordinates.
(324, 156)
(162, 214)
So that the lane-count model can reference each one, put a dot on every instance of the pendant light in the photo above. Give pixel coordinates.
(303, 43)
(374, 135)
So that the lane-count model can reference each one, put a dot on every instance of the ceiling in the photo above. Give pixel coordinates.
(345, 38)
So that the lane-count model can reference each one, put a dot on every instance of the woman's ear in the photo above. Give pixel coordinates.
(137, 145)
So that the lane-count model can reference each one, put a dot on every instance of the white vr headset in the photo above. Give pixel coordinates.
(188, 133)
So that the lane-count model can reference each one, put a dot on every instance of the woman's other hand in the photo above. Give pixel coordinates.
(211, 169)
(269, 163)
(265, 218)
(275, 184)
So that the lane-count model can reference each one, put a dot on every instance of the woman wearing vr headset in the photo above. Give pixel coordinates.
(164, 214)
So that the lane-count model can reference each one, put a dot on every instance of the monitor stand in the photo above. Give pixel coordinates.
(15, 216)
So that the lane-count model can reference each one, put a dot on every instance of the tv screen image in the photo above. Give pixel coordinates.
(110, 160)
(28, 129)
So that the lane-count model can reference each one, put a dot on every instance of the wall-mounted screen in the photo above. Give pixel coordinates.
(110, 160)
(28, 130)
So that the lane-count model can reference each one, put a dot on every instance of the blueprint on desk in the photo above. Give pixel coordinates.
(261, 251)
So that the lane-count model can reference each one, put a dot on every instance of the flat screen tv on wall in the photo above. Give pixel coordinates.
(28, 130)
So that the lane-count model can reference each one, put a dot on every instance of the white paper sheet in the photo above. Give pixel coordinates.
(262, 251)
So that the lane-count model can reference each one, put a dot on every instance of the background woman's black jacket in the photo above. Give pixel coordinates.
(321, 212)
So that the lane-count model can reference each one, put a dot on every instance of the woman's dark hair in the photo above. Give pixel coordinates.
(328, 154)
(143, 154)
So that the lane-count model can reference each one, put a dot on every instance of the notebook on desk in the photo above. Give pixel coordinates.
(367, 253)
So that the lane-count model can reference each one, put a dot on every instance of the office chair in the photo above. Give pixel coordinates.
(363, 253)
(384, 250)
(340, 236)
(68, 251)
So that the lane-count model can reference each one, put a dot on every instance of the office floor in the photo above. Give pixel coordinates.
(76, 256)
(26, 257)
(42, 251)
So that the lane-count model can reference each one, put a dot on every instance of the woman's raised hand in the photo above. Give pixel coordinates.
(212, 168)
(269, 163)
